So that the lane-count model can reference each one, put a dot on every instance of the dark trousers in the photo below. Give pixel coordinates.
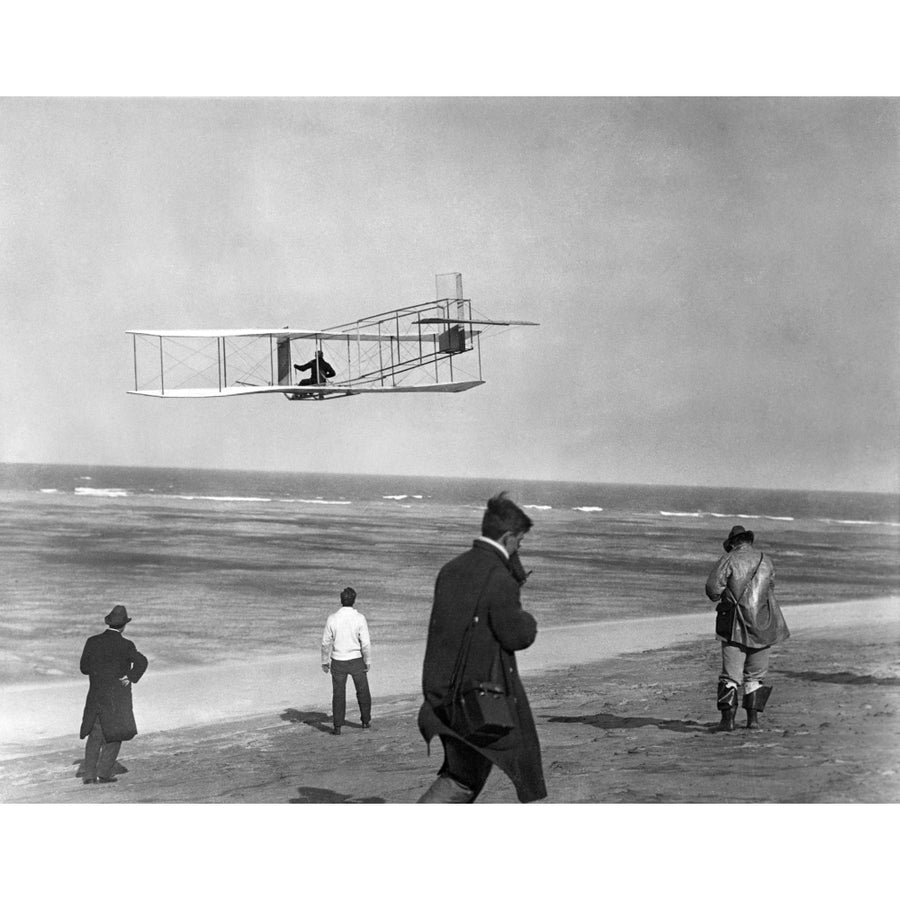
(461, 777)
(356, 669)
(99, 754)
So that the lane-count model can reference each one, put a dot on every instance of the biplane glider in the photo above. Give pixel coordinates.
(428, 347)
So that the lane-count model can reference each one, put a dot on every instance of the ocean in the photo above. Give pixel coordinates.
(218, 566)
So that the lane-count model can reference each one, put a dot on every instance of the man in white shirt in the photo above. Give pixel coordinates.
(346, 651)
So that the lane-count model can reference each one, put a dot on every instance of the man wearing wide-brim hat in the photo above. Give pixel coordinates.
(113, 664)
(748, 623)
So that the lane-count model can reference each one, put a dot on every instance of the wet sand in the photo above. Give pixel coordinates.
(625, 713)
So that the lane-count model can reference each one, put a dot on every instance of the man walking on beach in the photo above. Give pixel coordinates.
(748, 623)
(477, 616)
(346, 650)
(113, 664)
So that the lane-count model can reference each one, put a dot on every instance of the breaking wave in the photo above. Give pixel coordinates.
(317, 500)
(100, 492)
(225, 499)
(716, 515)
(859, 522)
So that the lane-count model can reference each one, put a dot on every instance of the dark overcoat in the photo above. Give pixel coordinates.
(747, 577)
(106, 658)
(483, 571)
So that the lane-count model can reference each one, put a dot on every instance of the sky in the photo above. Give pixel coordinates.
(715, 280)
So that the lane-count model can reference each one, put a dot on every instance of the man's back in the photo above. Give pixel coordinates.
(110, 655)
(347, 634)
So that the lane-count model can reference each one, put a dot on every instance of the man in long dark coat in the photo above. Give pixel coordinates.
(113, 664)
(482, 576)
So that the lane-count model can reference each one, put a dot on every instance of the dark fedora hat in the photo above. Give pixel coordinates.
(117, 617)
(737, 532)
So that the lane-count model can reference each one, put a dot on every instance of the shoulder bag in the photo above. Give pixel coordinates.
(478, 711)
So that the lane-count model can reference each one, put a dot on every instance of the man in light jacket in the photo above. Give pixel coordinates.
(748, 623)
(346, 650)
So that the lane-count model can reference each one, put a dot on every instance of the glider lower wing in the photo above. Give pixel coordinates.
(453, 387)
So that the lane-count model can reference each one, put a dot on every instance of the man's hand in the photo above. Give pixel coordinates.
(124, 681)
(326, 668)
(368, 666)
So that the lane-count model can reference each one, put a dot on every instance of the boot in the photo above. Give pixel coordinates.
(726, 701)
(755, 703)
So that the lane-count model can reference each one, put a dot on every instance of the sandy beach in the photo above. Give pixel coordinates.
(625, 712)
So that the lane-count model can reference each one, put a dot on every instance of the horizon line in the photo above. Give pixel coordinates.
(511, 478)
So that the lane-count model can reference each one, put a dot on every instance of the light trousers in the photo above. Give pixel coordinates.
(744, 665)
